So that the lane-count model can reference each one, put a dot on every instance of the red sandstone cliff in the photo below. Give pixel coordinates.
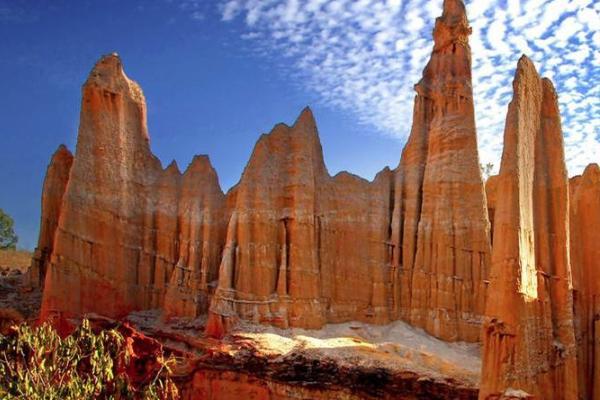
(201, 224)
(270, 271)
(120, 234)
(97, 262)
(529, 341)
(292, 246)
(309, 249)
(440, 230)
(585, 256)
(289, 245)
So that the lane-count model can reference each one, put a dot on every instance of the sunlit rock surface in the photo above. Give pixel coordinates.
(440, 230)
(529, 334)
(292, 247)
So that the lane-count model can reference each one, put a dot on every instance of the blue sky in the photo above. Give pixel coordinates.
(218, 73)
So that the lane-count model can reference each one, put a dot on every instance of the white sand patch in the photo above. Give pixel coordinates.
(396, 346)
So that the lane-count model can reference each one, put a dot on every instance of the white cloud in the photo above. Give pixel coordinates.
(364, 56)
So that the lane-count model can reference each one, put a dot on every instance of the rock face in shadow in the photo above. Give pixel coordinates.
(529, 341)
(585, 256)
(491, 193)
(55, 183)
(440, 231)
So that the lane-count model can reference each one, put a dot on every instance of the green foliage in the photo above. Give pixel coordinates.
(37, 364)
(8, 238)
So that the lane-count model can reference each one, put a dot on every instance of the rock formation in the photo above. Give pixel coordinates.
(97, 260)
(292, 246)
(585, 256)
(289, 245)
(529, 341)
(309, 250)
(412, 244)
(53, 191)
(272, 230)
(202, 227)
(440, 230)
(129, 232)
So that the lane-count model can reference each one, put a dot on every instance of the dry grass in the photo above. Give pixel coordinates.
(15, 259)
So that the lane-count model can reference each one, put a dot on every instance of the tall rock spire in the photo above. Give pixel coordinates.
(98, 254)
(440, 229)
(529, 341)
(585, 256)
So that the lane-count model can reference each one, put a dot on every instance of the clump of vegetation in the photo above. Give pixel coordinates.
(486, 170)
(8, 238)
(36, 363)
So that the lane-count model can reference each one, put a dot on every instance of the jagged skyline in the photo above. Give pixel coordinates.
(216, 56)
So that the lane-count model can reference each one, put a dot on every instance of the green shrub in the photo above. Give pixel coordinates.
(8, 238)
(36, 363)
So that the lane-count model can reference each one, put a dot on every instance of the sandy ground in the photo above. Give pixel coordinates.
(396, 346)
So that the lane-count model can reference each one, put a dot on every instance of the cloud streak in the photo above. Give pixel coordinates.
(364, 56)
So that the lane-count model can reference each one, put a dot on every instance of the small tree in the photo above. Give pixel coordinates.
(486, 170)
(8, 238)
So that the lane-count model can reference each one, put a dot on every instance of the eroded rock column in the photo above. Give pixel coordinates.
(440, 229)
(529, 341)
(585, 256)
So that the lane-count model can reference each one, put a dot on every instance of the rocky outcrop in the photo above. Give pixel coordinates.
(97, 262)
(292, 246)
(289, 245)
(440, 231)
(311, 248)
(529, 341)
(160, 241)
(413, 244)
(128, 229)
(270, 269)
(55, 183)
(202, 223)
(585, 256)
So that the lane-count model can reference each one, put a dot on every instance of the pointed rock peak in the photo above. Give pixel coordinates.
(454, 12)
(306, 121)
(525, 76)
(452, 26)
(306, 115)
(173, 168)
(550, 95)
(106, 69)
(108, 73)
(62, 152)
(525, 68)
(591, 174)
(200, 163)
